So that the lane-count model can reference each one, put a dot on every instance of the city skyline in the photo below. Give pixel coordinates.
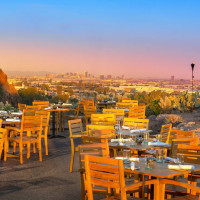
(155, 39)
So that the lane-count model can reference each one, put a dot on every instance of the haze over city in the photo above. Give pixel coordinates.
(139, 38)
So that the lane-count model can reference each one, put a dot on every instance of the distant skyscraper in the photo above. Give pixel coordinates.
(86, 74)
(101, 76)
(172, 78)
(109, 77)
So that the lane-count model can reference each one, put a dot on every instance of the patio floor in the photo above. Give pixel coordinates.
(36, 180)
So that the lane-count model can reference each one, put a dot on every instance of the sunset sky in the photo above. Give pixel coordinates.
(137, 38)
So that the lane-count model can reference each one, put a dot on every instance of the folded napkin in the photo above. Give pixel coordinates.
(67, 104)
(181, 167)
(120, 158)
(12, 120)
(125, 127)
(170, 159)
(47, 108)
(126, 110)
(138, 130)
(157, 143)
(121, 140)
(16, 113)
(134, 159)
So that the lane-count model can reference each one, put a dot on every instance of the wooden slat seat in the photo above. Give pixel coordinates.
(137, 112)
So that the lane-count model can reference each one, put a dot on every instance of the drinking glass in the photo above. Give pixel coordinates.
(180, 158)
(148, 162)
(160, 155)
(158, 137)
(146, 137)
(126, 153)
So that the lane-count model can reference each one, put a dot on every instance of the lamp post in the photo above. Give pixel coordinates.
(192, 66)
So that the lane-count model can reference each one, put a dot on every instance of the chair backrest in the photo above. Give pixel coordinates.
(45, 117)
(178, 134)
(88, 110)
(38, 107)
(1, 122)
(124, 105)
(137, 112)
(75, 127)
(165, 132)
(31, 124)
(103, 119)
(97, 149)
(117, 112)
(178, 190)
(3, 135)
(130, 101)
(136, 123)
(92, 140)
(89, 102)
(29, 112)
(191, 153)
(42, 104)
(91, 127)
(104, 172)
(104, 133)
(21, 106)
(187, 141)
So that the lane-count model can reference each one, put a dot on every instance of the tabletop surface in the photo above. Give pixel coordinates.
(160, 170)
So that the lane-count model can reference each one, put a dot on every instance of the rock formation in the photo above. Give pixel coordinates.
(7, 91)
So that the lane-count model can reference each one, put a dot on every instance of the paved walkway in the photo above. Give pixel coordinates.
(47, 180)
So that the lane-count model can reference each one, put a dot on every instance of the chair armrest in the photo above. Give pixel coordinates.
(76, 136)
(12, 129)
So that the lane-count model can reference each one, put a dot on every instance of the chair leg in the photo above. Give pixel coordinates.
(20, 153)
(14, 147)
(40, 151)
(5, 150)
(46, 145)
(72, 159)
(34, 149)
(28, 150)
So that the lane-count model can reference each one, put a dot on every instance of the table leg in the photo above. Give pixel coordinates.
(54, 128)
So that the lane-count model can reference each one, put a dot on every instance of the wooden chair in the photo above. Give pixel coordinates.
(122, 99)
(90, 102)
(1, 122)
(80, 108)
(3, 143)
(29, 112)
(124, 105)
(103, 133)
(75, 131)
(88, 111)
(42, 104)
(93, 140)
(103, 119)
(29, 124)
(21, 106)
(136, 123)
(109, 174)
(45, 124)
(101, 149)
(165, 132)
(135, 102)
(191, 155)
(38, 107)
(119, 114)
(137, 112)
(179, 195)
(186, 141)
(91, 127)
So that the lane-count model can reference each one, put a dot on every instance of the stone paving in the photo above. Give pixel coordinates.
(36, 180)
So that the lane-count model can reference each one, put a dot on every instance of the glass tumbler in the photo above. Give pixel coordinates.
(160, 155)
(148, 162)
(180, 158)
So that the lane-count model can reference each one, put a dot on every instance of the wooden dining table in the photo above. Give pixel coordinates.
(59, 111)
